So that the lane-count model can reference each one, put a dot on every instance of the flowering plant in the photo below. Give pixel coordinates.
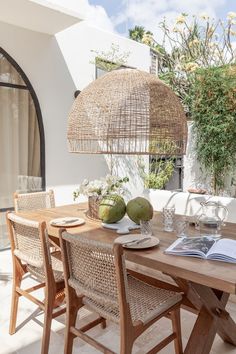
(101, 187)
(193, 43)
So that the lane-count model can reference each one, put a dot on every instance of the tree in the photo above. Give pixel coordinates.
(137, 33)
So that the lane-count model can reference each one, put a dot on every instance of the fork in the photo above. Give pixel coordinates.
(136, 241)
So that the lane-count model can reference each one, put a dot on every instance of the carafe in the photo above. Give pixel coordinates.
(209, 223)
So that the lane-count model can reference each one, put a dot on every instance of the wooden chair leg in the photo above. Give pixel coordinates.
(71, 315)
(49, 302)
(176, 325)
(17, 278)
(126, 341)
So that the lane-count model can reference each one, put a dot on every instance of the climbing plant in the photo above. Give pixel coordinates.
(212, 101)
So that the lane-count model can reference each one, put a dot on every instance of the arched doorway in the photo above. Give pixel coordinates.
(22, 148)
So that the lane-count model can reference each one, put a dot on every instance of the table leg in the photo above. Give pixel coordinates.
(215, 305)
(212, 317)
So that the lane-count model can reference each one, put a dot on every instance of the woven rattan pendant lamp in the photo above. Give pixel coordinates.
(127, 112)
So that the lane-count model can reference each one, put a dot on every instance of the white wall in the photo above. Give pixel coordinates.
(56, 71)
(77, 42)
(40, 58)
(189, 203)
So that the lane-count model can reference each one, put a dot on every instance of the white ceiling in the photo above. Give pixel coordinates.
(37, 15)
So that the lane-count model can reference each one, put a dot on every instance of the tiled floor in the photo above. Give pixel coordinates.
(27, 338)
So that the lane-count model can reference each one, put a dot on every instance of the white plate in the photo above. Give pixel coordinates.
(68, 221)
(123, 226)
(153, 241)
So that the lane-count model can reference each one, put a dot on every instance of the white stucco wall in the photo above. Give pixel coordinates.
(78, 41)
(56, 70)
(190, 203)
(77, 44)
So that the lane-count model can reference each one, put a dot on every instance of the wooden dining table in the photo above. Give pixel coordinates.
(206, 285)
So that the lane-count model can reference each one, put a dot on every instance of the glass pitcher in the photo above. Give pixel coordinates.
(209, 222)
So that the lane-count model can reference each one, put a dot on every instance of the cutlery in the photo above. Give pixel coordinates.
(137, 241)
(65, 222)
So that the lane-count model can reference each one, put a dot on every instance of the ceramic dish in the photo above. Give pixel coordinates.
(68, 221)
(137, 241)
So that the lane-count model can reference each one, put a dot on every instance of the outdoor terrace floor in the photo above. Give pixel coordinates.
(27, 339)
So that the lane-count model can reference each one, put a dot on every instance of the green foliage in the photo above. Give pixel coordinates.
(140, 34)
(212, 101)
(192, 43)
(161, 172)
(111, 59)
(137, 33)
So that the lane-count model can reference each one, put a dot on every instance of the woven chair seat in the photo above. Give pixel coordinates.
(57, 268)
(146, 302)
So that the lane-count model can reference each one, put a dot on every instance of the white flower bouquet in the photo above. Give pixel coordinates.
(101, 187)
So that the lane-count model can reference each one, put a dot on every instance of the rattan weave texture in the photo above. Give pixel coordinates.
(93, 274)
(28, 248)
(127, 112)
(38, 200)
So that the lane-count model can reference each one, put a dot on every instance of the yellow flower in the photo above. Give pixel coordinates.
(210, 31)
(193, 42)
(231, 15)
(233, 33)
(147, 39)
(180, 19)
(191, 67)
(176, 29)
(204, 16)
(212, 44)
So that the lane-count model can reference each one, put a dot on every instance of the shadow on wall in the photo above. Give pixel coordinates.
(126, 166)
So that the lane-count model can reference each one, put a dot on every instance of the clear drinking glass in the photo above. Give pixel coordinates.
(145, 228)
(181, 226)
(168, 214)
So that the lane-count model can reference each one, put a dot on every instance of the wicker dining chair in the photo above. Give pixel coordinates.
(96, 277)
(31, 255)
(37, 200)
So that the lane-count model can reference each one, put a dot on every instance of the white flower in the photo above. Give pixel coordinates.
(231, 15)
(204, 16)
(101, 187)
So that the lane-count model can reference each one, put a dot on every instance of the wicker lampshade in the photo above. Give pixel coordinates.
(127, 112)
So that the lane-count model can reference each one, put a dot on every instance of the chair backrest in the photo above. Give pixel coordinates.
(94, 269)
(29, 241)
(38, 200)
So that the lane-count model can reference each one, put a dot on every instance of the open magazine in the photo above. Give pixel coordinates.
(204, 247)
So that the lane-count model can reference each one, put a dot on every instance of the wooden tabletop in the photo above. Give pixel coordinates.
(214, 274)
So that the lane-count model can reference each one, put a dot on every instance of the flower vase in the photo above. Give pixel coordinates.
(93, 206)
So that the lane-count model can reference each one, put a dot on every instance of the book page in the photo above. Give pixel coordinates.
(191, 246)
(225, 247)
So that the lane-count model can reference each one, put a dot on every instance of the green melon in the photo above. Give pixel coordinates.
(139, 209)
(112, 209)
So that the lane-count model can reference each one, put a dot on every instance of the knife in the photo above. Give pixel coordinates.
(64, 222)
(136, 241)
